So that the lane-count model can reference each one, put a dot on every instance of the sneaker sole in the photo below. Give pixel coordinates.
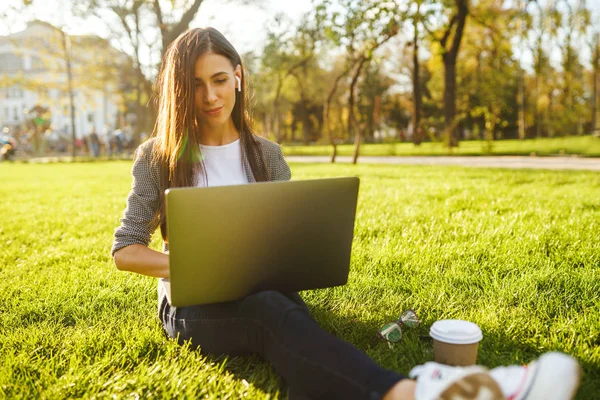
(477, 386)
(552, 368)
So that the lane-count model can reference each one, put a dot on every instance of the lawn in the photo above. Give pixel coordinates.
(584, 146)
(517, 252)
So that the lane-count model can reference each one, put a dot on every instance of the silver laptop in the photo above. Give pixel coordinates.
(228, 242)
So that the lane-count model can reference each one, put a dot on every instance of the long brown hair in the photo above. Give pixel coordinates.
(177, 144)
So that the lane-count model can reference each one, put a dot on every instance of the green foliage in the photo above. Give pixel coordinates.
(487, 84)
(375, 86)
(293, 74)
(514, 251)
(289, 77)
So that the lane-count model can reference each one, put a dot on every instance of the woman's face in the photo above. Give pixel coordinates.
(215, 89)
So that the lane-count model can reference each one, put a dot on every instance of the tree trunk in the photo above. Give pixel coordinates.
(305, 120)
(549, 114)
(521, 77)
(595, 125)
(536, 114)
(521, 105)
(449, 57)
(169, 35)
(595, 77)
(277, 116)
(342, 122)
(352, 122)
(303, 109)
(327, 109)
(137, 132)
(450, 101)
(67, 49)
(416, 118)
(277, 121)
(546, 121)
(151, 110)
(538, 72)
(306, 124)
(328, 130)
(304, 116)
(293, 127)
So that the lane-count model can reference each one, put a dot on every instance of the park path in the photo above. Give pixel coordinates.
(517, 162)
(575, 163)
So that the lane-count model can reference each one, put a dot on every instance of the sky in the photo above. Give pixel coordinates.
(243, 25)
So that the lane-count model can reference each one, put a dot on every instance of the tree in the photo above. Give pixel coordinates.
(575, 22)
(327, 109)
(372, 94)
(422, 12)
(416, 118)
(595, 51)
(170, 27)
(304, 47)
(286, 52)
(458, 11)
(487, 73)
(523, 28)
(144, 24)
(361, 30)
(133, 17)
(541, 67)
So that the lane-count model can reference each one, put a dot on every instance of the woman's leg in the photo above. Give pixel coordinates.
(280, 328)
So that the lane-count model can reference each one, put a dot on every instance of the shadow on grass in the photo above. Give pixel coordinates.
(414, 349)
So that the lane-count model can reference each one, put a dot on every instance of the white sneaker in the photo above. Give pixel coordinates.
(553, 376)
(442, 382)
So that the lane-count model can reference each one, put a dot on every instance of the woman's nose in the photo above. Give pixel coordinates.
(210, 94)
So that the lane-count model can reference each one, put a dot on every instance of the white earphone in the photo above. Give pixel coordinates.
(239, 83)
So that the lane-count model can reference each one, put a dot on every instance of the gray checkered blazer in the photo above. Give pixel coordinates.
(143, 202)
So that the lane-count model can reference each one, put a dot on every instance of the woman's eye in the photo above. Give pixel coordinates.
(221, 81)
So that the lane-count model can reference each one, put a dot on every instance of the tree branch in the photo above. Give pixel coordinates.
(183, 23)
(444, 39)
(483, 23)
(299, 64)
(385, 39)
(160, 20)
(463, 11)
(429, 31)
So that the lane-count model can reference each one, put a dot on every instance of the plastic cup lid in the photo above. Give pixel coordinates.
(455, 331)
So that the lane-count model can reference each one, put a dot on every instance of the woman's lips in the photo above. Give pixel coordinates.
(214, 111)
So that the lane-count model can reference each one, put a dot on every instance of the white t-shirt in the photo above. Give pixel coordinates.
(223, 165)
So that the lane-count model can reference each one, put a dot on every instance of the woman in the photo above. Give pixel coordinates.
(203, 138)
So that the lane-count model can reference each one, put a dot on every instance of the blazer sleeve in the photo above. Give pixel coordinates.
(281, 168)
(143, 201)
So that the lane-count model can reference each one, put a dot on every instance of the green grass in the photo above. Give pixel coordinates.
(517, 252)
(585, 146)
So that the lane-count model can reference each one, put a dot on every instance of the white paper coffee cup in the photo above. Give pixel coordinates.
(455, 342)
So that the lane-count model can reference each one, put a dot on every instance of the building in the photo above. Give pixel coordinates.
(33, 76)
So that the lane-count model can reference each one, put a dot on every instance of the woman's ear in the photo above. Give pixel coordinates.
(238, 78)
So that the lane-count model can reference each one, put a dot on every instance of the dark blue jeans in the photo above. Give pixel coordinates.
(280, 328)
